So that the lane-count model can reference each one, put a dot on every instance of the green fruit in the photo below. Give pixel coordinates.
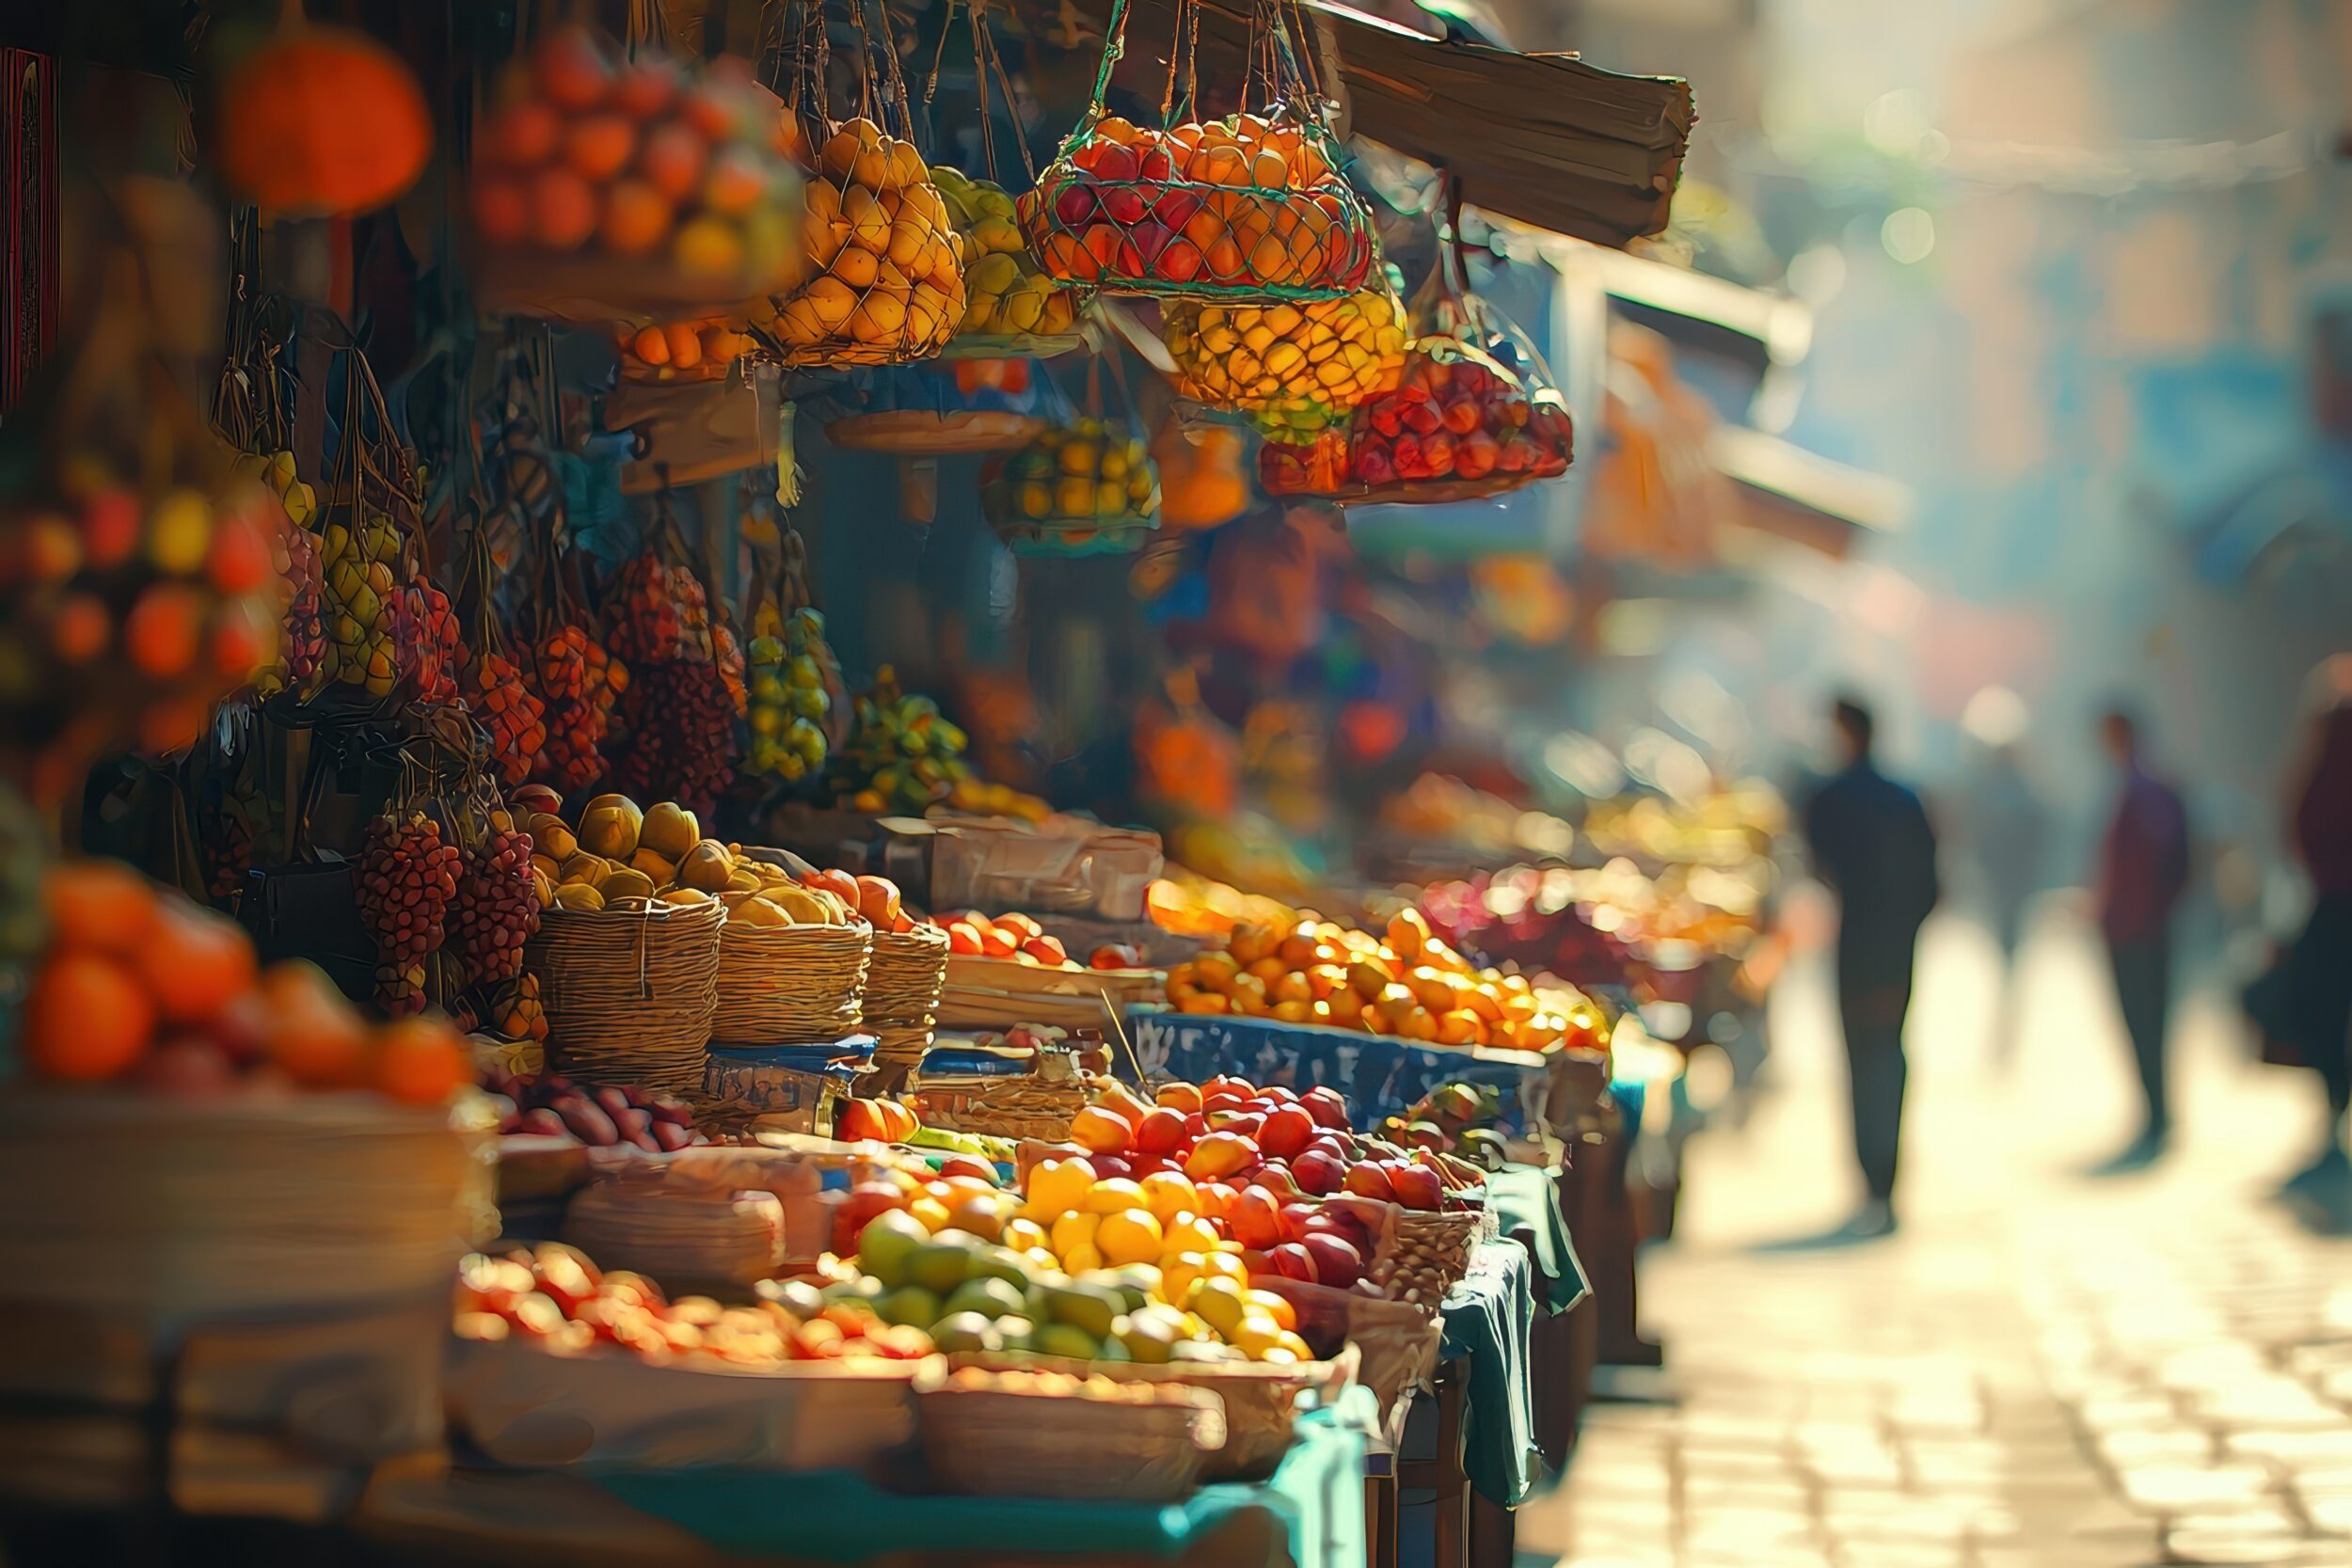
(803, 671)
(765, 650)
(1089, 1307)
(1132, 1284)
(767, 686)
(966, 1332)
(885, 1245)
(939, 1267)
(1016, 1331)
(910, 1304)
(1066, 1339)
(810, 702)
(1149, 1340)
(989, 1298)
(1003, 1264)
(865, 1288)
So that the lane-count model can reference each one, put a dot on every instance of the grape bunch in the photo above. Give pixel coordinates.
(426, 642)
(680, 745)
(663, 613)
(497, 908)
(516, 719)
(407, 877)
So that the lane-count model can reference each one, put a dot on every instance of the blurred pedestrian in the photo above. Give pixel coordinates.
(2143, 869)
(2316, 992)
(1871, 844)
(2003, 823)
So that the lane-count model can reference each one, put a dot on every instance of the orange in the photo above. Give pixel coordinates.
(1100, 1132)
(599, 146)
(320, 1041)
(735, 182)
(194, 962)
(1225, 261)
(709, 246)
(85, 1018)
(563, 209)
(421, 1062)
(673, 159)
(502, 211)
(651, 345)
(1129, 1236)
(636, 216)
(99, 905)
(161, 632)
(520, 134)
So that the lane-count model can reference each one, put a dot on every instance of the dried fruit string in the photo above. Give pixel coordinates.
(495, 690)
(679, 711)
(407, 878)
(497, 907)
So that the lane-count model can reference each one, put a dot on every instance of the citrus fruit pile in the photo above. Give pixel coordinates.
(1235, 206)
(642, 161)
(138, 984)
(1295, 369)
(682, 351)
(887, 262)
(1086, 486)
(1006, 294)
(899, 755)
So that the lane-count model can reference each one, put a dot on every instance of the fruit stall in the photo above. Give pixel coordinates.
(564, 996)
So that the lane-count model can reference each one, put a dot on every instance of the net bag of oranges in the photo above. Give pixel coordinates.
(1012, 306)
(707, 349)
(1295, 370)
(1474, 413)
(1250, 207)
(622, 185)
(886, 281)
(1086, 488)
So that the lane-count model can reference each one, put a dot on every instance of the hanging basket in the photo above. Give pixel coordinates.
(1089, 488)
(629, 994)
(791, 985)
(1251, 207)
(605, 190)
(1294, 369)
(935, 410)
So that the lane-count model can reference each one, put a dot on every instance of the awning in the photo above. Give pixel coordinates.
(1547, 139)
(1796, 495)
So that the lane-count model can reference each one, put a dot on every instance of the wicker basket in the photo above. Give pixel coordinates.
(791, 985)
(681, 1238)
(629, 994)
(902, 987)
(998, 1443)
(1260, 1399)
(1021, 1106)
(1428, 1253)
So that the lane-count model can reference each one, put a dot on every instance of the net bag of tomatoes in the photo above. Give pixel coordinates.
(885, 279)
(1088, 487)
(622, 183)
(1293, 370)
(1475, 414)
(1012, 306)
(1249, 207)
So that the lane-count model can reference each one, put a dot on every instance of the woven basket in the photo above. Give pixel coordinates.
(681, 1239)
(1261, 1400)
(1025, 1106)
(998, 1443)
(629, 994)
(1427, 1254)
(791, 985)
(902, 988)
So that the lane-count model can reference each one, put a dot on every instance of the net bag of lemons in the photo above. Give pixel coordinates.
(1294, 369)
(941, 408)
(1012, 307)
(1476, 413)
(619, 184)
(1086, 488)
(885, 283)
(1250, 207)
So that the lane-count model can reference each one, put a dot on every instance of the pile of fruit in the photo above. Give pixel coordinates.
(885, 1121)
(554, 1297)
(1007, 300)
(677, 735)
(580, 685)
(295, 554)
(426, 646)
(984, 798)
(516, 1010)
(499, 697)
(139, 985)
(407, 880)
(788, 700)
(701, 350)
(555, 1107)
(1014, 935)
(1410, 985)
(619, 856)
(1238, 206)
(886, 262)
(670, 170)
(900, 755)
(1295, 370)
(1088, 486)
(362, 568)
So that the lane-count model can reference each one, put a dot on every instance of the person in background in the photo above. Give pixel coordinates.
(1871, 844)
(2143, 869)
(2318, 967)
(2003, 822)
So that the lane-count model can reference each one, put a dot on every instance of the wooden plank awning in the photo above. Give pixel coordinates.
(1546, 140)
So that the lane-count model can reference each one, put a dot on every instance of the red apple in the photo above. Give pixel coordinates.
(1337, 1262)
(1370, 1181)
(1324, 1104)
(1107, 1165)
(1286, 1132)
(1291, 1261)
(1275, 1178)
(1417, 1186)
(1295, 1217)
(968, 1164)
(1255, 1219)
(1318, 1172)
(1160, 1131)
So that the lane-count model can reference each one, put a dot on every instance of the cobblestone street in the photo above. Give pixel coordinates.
(2042, 1371)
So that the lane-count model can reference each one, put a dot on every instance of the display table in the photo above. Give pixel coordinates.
(1309, 1515)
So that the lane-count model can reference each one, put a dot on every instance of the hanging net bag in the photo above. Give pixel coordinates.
(1293, 370)
(1012, 307)
(621, 184)
(1250, 207)
(885, 283)
(1474, 413)
(1088, 488)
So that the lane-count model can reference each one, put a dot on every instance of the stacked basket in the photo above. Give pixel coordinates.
(902, 989)
(630, 994)
(791, 985)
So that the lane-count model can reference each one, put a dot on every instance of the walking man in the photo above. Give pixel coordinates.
(2144, 868)
(1872, 845)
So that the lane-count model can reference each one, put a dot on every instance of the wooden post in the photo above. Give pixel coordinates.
(29, 218)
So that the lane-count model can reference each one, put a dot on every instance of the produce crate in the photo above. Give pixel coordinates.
(998, 993)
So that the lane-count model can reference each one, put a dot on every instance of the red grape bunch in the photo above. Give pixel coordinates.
(407, 877)
(497, 908)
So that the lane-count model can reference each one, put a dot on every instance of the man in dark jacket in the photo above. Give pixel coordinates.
(2143, 869)
(1872, 845)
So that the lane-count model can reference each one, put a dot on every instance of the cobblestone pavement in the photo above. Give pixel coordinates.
(2041, 1371)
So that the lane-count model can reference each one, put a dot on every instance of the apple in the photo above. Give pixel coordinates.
(1324, 1104)
(1297, 1217)
(1255, 1219)
(1318, 1173)
(1369, 1180)
(1291, 1261)
(1275, 1178)
(1280, 1095)
(1286, 1132)
(1337, 1262)
(1196, 1125)
(1417, 1186)
(1219, 1153)
(1109, 1165)
(1160, 1131)
(968, 1164)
